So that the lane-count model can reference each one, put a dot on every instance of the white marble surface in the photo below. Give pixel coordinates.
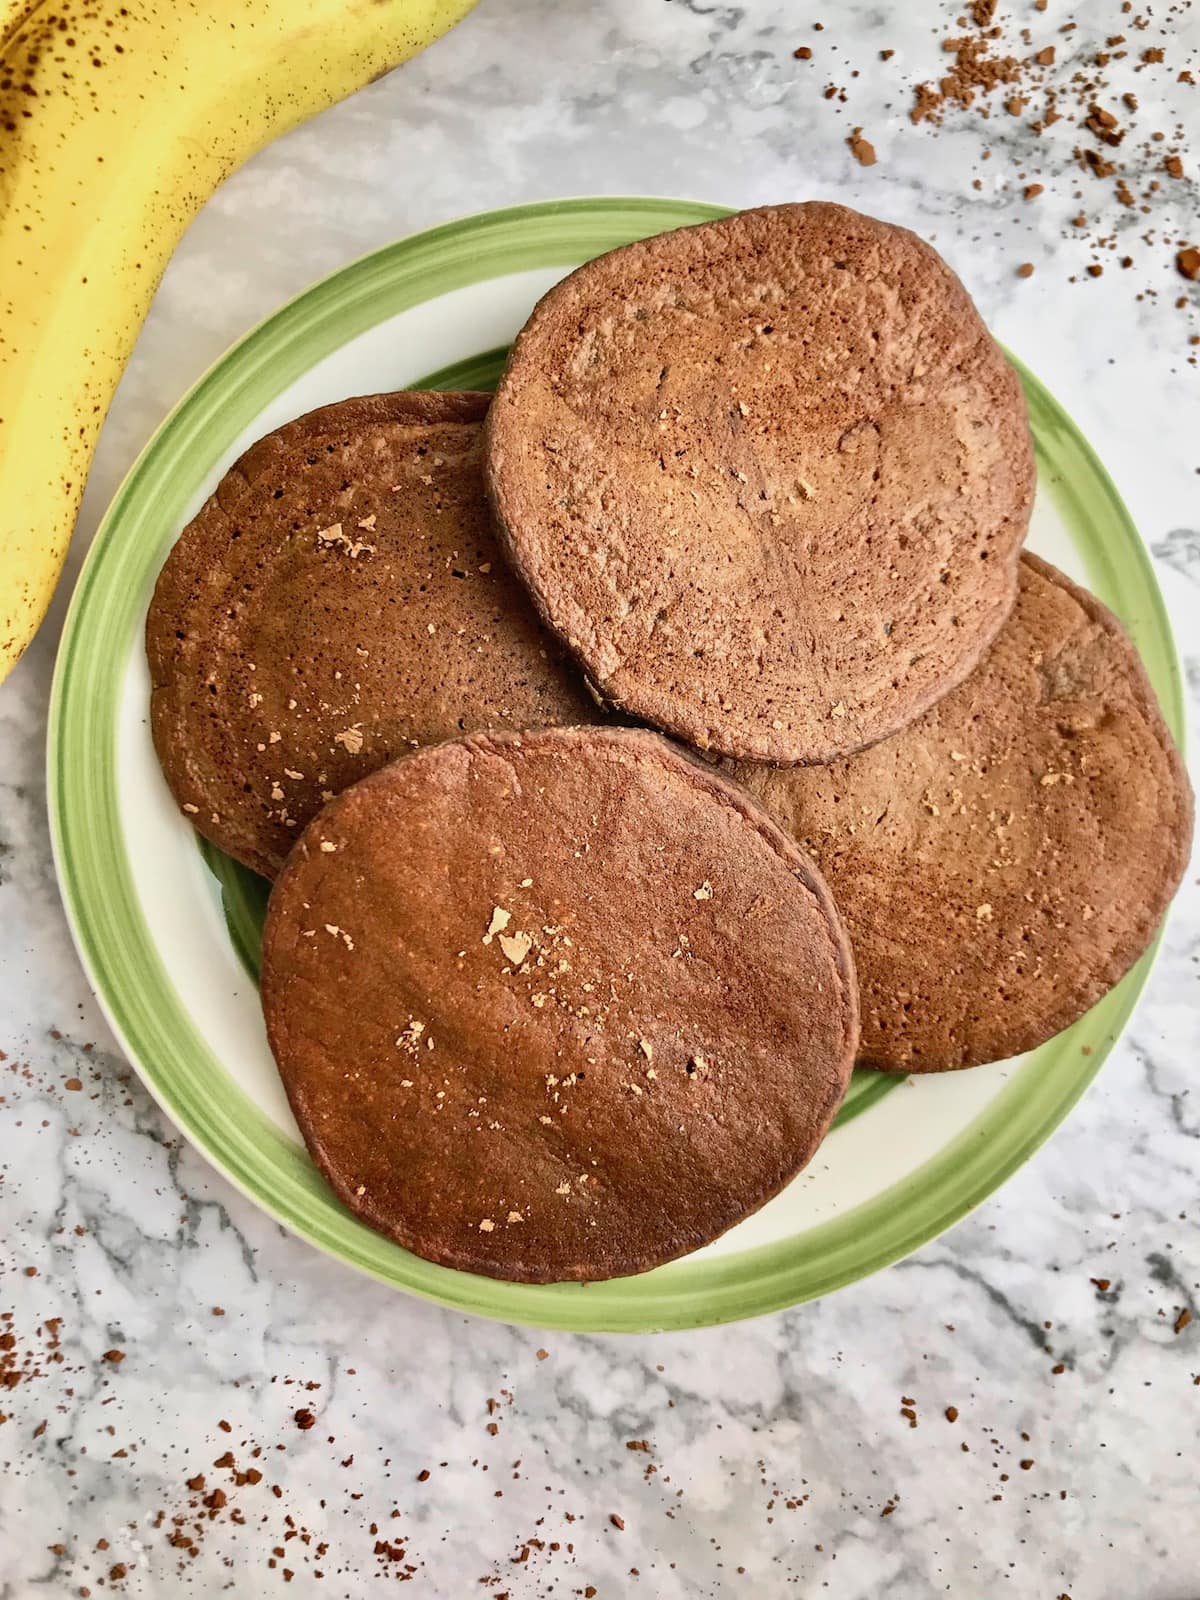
(780, 1445)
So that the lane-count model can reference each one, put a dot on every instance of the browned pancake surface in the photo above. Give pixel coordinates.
(1002, 862)
(560, 1006)
(340, 600)
(767, 477)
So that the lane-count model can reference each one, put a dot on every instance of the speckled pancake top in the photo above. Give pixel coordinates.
(559, 1006)
(1002, 862)
(767, 477)
(339, 600)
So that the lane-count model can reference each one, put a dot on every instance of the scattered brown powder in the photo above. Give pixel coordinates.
(976, 71)
(990, 59)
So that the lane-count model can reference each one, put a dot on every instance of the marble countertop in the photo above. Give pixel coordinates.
(805, 1453)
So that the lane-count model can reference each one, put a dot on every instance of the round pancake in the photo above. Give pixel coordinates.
(767, 477)
(561, 1005)
(339, 600)
(1004, 860)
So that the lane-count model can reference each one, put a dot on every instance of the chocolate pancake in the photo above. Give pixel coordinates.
(561, 1005)
(340, 600)
(1004, 860)
(767, 477)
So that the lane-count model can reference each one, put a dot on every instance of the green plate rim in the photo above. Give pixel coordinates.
(139, 1000)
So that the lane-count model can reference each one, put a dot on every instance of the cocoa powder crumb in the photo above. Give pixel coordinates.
(861, 149)
(617, 1522)
(304, 1420)
(1025, 270)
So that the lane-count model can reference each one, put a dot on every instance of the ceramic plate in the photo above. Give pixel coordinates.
(169, 932)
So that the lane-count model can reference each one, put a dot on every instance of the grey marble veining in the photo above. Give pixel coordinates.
(783, 1462)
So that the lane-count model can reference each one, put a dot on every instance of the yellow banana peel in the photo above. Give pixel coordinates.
(117, 121)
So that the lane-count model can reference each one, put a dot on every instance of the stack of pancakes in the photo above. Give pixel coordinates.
(555, 996)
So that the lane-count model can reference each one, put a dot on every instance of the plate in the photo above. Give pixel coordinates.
(168, 932)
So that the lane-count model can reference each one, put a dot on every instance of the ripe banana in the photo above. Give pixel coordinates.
(117, 121)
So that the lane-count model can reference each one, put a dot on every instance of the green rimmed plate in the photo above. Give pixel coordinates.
(169, 934)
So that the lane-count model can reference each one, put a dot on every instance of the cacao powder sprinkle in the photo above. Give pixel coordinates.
(861, 149)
